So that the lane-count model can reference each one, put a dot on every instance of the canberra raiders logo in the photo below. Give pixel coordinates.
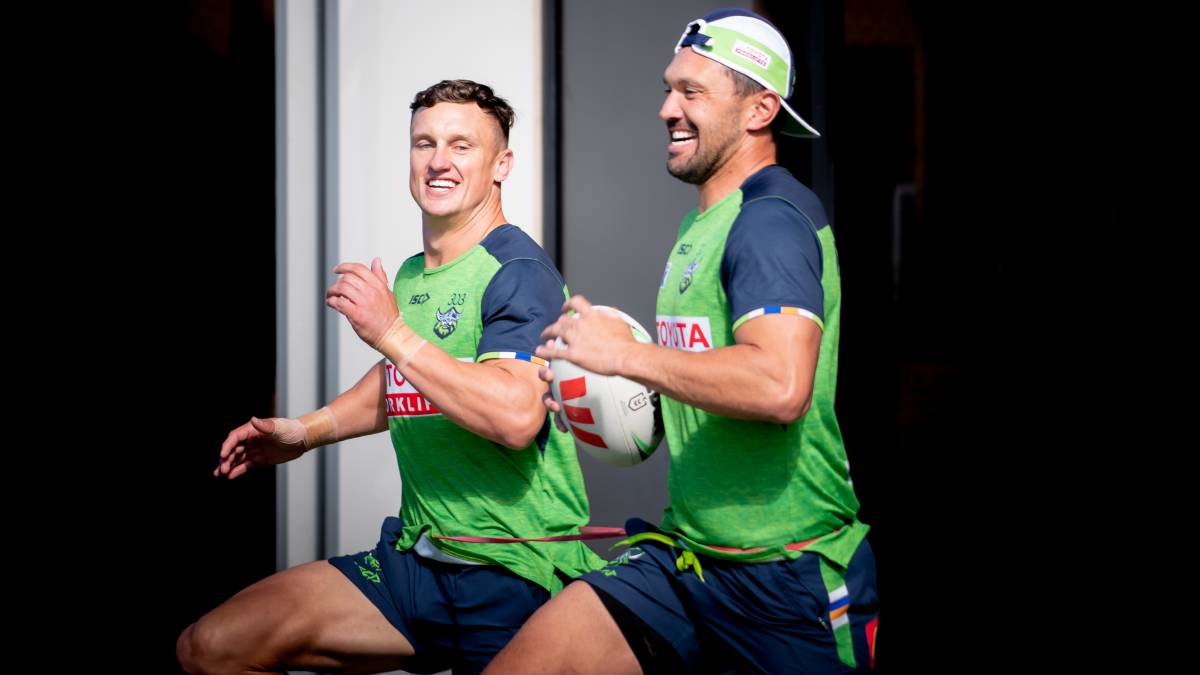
(687, 276)
(446, 322)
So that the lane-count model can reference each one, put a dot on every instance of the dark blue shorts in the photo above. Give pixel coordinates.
(771, 617)
(455, 616)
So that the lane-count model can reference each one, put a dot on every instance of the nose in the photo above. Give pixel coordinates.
(670, 108)
(440, 161)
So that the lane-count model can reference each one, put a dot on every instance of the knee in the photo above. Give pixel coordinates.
(184, 650)
(198, 649)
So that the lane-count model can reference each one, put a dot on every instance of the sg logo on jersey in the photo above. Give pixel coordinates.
(446, 322)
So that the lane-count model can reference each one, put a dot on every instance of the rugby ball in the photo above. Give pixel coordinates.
(613, 419)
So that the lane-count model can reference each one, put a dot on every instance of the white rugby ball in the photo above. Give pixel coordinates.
(613, 419)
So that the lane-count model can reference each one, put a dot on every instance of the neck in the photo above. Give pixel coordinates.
(747, 159)
(447, 237)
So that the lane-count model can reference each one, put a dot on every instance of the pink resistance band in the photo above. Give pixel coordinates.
(791, 547)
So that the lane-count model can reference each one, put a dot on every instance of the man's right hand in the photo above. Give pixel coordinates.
(260, 442)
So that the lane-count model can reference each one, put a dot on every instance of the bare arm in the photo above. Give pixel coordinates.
(358, 411)
(496, 399)
(362, 410)
(766, 376)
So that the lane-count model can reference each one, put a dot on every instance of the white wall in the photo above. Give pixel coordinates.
(297, 140)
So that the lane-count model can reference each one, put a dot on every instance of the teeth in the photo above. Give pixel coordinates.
(682, 135)
(441, 183)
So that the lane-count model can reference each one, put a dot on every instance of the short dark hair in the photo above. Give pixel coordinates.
(466, 91)
(743, 86)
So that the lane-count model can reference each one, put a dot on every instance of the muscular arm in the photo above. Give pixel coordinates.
(766, 376)
(498, 399)
(361, 409)
(772, 260)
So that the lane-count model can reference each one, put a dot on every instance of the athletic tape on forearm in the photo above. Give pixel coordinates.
(399, 343)
(320, 428)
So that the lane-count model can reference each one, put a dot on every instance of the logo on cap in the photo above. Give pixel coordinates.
(750, 53)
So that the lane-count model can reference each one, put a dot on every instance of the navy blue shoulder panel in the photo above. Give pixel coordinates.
(509, 242)
(776, 181)
(772, 255)
(523, 297)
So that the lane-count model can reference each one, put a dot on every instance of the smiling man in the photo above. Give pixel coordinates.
(459, 392)
(759, 563)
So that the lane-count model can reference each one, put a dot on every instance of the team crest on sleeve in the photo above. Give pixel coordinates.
(446, 322)
(686, 281)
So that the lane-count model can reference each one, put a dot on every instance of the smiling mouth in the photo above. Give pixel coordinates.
(440, 186)
(681, 138)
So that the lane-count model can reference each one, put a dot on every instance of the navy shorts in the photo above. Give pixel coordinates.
(456, 617)
(784, 616)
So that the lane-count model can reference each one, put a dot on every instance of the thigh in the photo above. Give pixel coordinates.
(308, 617)
(573, 633)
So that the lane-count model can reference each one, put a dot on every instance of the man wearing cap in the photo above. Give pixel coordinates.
(759, 563)
(490, 489)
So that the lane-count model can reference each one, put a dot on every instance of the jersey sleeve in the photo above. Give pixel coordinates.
(521, 300)
(772, 263)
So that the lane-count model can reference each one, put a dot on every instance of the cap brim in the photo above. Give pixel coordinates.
(796, 126)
